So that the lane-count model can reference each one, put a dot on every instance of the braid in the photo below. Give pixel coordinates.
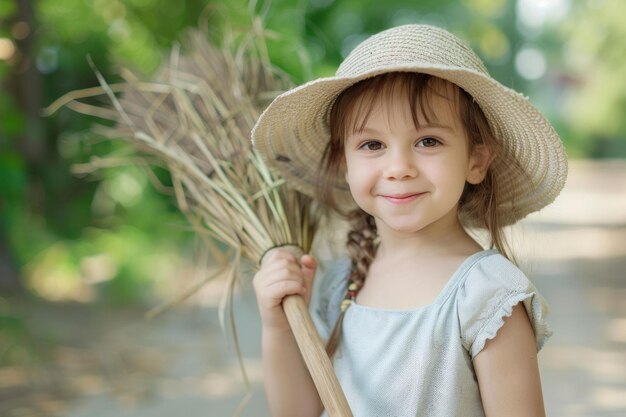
(361, 244)
(362, 247)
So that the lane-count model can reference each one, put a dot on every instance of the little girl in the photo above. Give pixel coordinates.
(419, 145)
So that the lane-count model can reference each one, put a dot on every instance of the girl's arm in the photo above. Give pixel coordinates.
(507, 370)
(288, 385)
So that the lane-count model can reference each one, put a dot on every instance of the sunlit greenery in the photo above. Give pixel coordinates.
(595, 63)
(58, 228)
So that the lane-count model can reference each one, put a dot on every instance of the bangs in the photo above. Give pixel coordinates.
(355, 105)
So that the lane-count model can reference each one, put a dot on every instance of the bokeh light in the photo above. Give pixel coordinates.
(534, 14)
(7, 49)
(20, 30)
(530, 63)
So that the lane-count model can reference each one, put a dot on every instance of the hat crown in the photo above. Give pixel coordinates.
(410, 45)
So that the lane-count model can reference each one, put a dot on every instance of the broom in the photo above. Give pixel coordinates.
(195, 119)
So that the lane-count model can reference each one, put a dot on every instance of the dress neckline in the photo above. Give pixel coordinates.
(453, 281)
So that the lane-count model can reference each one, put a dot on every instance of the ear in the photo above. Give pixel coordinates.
(479, 162)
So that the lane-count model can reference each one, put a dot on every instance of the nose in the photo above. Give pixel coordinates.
(400, 165)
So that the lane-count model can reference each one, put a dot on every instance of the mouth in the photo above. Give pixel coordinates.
(401, 198)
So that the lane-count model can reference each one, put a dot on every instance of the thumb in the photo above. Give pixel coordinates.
(309, 266)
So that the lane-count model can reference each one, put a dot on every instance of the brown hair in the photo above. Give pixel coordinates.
(349, 114)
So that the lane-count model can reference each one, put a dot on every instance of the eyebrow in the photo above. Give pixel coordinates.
(369, 130)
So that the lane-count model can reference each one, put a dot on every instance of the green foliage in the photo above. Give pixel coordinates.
(45, 210)
(12, 178)
(591, 56)
(57, 222)
(17, 341)
(14, 340)
(7, 8)
(11, 120)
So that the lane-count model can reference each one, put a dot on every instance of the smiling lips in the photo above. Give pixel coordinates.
(401, 198)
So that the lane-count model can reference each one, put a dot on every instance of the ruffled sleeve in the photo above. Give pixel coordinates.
(491, 289)
(328, 292)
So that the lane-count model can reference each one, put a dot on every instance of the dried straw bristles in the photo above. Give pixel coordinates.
(195, 117)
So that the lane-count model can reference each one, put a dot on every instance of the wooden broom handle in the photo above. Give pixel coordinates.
(315, 357)
(314, 353)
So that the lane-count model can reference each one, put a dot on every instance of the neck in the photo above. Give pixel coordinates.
(445, 237)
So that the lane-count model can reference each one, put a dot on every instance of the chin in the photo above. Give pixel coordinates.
(405, 227)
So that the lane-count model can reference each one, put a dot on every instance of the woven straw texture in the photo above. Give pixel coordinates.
(293, 131)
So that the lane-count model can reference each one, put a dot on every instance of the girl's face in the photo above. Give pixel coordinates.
(411, 178)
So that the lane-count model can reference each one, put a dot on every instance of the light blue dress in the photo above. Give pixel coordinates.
(418, 362)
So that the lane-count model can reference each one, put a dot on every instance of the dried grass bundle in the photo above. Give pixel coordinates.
(195, 118)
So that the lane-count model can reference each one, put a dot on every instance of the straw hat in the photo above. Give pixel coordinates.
(293, 131)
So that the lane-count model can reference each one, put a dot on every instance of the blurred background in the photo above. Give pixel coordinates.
(83, 257)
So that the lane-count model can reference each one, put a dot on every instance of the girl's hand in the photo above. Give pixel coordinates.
(282, 274)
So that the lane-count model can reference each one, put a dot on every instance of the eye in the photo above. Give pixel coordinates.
(371, 145)
(428, 142)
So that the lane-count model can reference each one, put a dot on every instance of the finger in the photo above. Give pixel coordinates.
(264, 282)
(284, 275)
(308, 261)
(279, 272)
(275, 254)
(308, 267)
(277, 263)
(279, 290)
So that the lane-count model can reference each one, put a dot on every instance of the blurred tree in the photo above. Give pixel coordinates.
(593, 53)
(311, 38)
(43, 49)
(15, 104)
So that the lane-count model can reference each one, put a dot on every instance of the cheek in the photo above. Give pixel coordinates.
(451, 176)
(351, 170)
(354, 178)
(360, 181)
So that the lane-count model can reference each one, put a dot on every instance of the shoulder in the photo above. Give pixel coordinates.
(492, 287)
(493, 273)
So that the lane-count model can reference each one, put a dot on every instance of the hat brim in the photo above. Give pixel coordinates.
(293, 131)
